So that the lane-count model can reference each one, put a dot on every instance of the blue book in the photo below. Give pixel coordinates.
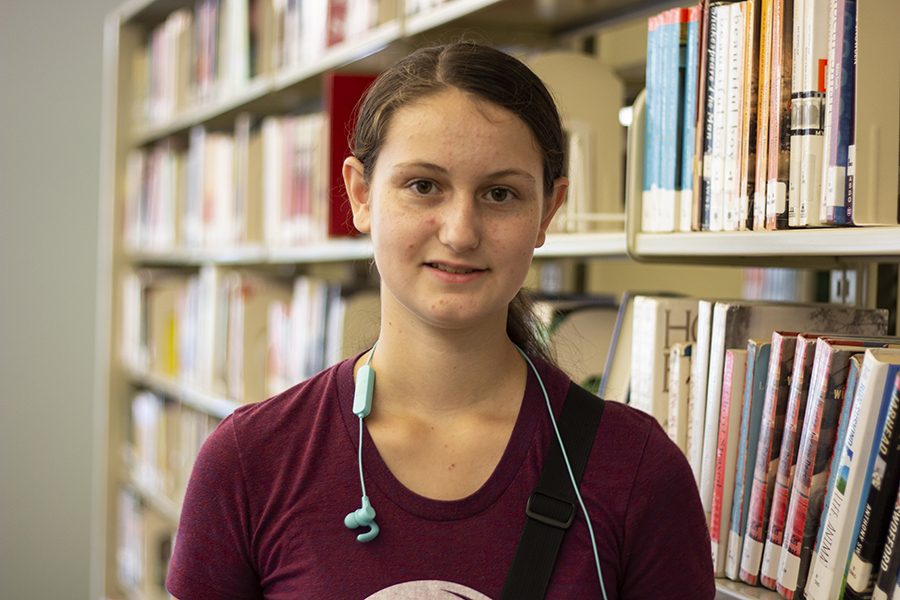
(688, 120)
(758, 352)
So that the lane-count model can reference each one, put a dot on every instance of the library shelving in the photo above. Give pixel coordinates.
(288, 84)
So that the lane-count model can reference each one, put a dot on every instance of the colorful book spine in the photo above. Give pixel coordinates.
(890, 557)
(762, 118)
(652, 139)
(839, 516)
(672, 66)
(839, 112)
(750, 108)
(726, 455)
(766, 464)
(824, 407)
(751, 415)
(689, 116)
(778, 168)
(804, 351)
(876, 513)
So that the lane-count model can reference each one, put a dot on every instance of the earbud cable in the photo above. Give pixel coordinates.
(562, 447)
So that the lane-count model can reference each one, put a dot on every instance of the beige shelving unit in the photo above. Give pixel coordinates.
(562, 23)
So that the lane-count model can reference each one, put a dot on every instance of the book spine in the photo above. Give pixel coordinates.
(669, 122)
(651, 135)
(751, 414)
(794, 210)
(811, 125)
(778, 169)
(713, 51)
(890, 557)
(700, 132)
(733, 121)
(713, 399)
(749, 124)
(780, 364)
(720, 116)
(726, 451)
(787, 458)
(826, 400)
(699, 374)
(845, 117)
(884, 480)
(826, 576)
(762, 119)
(689, 118)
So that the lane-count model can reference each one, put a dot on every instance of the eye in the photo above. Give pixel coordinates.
(423, 187)
(501, 194)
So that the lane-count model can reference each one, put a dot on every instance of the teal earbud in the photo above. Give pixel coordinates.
(363, 517)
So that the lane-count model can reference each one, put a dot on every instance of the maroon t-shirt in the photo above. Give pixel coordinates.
(264, 512)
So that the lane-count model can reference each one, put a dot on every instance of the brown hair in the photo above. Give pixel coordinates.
(491, 75)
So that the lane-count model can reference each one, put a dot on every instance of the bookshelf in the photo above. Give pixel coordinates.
(393, 35)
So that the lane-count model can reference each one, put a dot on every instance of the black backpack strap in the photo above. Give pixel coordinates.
(553, 505)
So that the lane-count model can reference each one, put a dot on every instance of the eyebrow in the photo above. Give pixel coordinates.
(421, 164)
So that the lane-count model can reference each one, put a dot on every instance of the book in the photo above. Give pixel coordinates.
(699, 379)
(890, 557)
(689, 116)
(734, 322)
(726, 455)
(342, 93)
(679, 394)
(616, 378)
(810, 123)
(778, 148)
(749, 108)
(838, 519)
(734, 110)
(876, 512)
(839, 122)
(804, 350)
(653, 140)
(766, 460)
(825, 404)
(751, 415)
(717, 111)
(657, 323)
(762, 114)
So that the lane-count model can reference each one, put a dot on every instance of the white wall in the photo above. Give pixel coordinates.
(50, 92)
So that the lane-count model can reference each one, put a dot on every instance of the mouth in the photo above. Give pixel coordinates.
(454, 269)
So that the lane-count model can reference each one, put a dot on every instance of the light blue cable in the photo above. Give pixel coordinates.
(562, 447)
(362, 479)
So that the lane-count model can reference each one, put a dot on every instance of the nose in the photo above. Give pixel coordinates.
(461, 224)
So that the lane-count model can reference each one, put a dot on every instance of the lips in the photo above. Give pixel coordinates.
(454, 269)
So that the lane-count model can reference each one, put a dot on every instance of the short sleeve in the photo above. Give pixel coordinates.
(212, 557)
(667, 547)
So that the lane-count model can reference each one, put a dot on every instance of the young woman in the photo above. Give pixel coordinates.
(456, 172)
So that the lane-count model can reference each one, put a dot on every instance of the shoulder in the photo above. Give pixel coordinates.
(298, 406)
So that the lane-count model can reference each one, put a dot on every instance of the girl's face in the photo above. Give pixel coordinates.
(455, 207)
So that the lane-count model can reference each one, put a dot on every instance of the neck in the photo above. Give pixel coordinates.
(438, 373)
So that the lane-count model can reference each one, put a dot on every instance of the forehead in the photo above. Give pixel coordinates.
(455, 126)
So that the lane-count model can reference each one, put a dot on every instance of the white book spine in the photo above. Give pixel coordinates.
(699, 373)
(720, 117)
(713, 399)
(734, 111)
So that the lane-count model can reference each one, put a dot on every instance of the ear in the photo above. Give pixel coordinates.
(358, 193)
(551, 205)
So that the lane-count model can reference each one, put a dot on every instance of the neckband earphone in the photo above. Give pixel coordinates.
(362, 406)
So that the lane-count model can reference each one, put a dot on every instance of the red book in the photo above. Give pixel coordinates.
(342, 93)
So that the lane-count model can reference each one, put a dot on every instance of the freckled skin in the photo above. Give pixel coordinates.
(465, 154)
